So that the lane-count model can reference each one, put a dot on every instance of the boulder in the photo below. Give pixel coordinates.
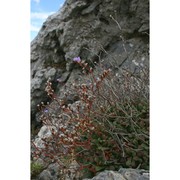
(51, 173)
(122, 174)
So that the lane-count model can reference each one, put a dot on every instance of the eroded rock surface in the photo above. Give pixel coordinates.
(122, 174)
(51, 173)
(112, 31)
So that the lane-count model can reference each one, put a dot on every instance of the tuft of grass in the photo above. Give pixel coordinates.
(36, 169)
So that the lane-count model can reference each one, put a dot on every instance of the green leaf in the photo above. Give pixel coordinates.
(99, 168)
(128, 162)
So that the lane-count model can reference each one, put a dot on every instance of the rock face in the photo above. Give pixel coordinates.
(112, 31)
(122, 174)
(51, 173)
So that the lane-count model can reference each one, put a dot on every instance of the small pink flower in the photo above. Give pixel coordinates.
(77, 59)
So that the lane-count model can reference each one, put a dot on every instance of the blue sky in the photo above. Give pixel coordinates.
(40, 10)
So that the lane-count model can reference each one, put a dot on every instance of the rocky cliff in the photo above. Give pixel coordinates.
(112, 31)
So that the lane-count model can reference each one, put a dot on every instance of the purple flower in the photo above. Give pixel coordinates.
(59, 80)
(46, 110)
(77, 59)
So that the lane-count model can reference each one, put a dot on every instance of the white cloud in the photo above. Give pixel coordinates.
(40, 15)
(37, 19)
(35, 28)
(61, 5)
(37, 1)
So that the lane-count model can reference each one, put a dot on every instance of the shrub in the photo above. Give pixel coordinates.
(106, 128)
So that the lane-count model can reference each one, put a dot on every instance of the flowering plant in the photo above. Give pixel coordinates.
(106, 127)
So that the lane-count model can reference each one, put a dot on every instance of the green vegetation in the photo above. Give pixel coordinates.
(36, 169)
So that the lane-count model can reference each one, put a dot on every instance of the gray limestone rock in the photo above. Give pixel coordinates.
(122, 174)
(134, 174)
(108, 175)
(114, 32)
(46, 175)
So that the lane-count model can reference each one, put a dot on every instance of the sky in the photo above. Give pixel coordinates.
(40, 10)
